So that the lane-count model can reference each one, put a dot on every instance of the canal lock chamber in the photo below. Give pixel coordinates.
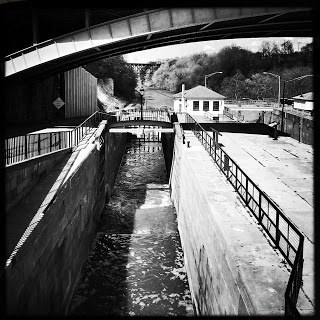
(136, 264)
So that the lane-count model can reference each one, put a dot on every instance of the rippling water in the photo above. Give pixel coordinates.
(136, 263)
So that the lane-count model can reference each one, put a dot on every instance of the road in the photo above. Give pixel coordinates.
(157, 98)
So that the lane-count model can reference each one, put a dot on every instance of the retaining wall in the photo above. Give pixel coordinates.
(21, 179)
(167, 140)
(41, 277)
(231, 267)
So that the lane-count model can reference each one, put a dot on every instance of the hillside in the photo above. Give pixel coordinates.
(106, 99)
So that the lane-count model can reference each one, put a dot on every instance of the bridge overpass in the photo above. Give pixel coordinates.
(94, 35)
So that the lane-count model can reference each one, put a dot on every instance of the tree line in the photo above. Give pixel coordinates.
(242, 71)
(123, 75)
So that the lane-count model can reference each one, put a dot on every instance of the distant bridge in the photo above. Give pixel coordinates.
(150, 66)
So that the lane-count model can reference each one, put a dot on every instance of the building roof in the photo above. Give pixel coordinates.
(305, 96)
(200, 92)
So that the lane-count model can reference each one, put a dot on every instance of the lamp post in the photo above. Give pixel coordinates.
(141, 96)
(279, 88)
(209, 75)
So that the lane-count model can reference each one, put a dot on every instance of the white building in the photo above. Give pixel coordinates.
(199, 100)
(303, 102)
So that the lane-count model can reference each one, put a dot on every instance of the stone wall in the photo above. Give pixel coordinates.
(21, 179)
(41, 277)
(231, 267)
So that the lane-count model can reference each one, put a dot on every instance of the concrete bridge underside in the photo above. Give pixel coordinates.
(150, 29)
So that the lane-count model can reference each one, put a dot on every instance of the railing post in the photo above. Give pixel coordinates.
(260, 217)
(277, 229)
(59, 140)
(25, 147)
(50, 141)
(215, 152)
(246, 189)
(236, 177)
(39, 144)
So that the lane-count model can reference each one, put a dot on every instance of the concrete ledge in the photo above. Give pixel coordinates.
(232, 269)
(29, 162)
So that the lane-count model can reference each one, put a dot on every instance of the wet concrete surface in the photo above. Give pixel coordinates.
(135, 266)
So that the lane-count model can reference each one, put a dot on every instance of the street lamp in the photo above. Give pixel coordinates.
(284, 85)
(141, 91)
(275, 75)
(209, 75)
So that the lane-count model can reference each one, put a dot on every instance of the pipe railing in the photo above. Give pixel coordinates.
(20, 148)
(147, 114)
(283, 233)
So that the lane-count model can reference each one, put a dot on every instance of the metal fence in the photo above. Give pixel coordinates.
(147, 114)
(283, 233)
(31, 145)
(263, 102)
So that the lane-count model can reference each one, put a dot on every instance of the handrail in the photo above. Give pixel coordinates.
(31, 145)
(147, 114)
(283, 232)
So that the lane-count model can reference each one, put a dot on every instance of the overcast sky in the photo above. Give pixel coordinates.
(213, 46)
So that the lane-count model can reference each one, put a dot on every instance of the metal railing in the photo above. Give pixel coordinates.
(264, 102)
(283, 233)
(147, 114)
(31, 145)
(292, 110)
(92, 122)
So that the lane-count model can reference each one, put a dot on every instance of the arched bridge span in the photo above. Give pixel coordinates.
(155, 28)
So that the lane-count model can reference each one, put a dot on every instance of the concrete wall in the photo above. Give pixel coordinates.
(32, 101)
(231, 267)
(297, 126)
(243, 114)
(21, 179)
(167, 140)
(44, 272)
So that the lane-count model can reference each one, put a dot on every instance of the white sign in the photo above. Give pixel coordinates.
(58, 103)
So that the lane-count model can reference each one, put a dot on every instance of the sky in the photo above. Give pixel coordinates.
(210, 47)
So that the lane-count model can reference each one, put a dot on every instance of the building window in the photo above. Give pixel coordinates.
(205, 105)
(215, 105)
(195, 105)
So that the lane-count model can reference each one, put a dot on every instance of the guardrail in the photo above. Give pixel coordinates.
(31, 145)
(283, 233)
(265, 101)
(147, 114)
(291, 110)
